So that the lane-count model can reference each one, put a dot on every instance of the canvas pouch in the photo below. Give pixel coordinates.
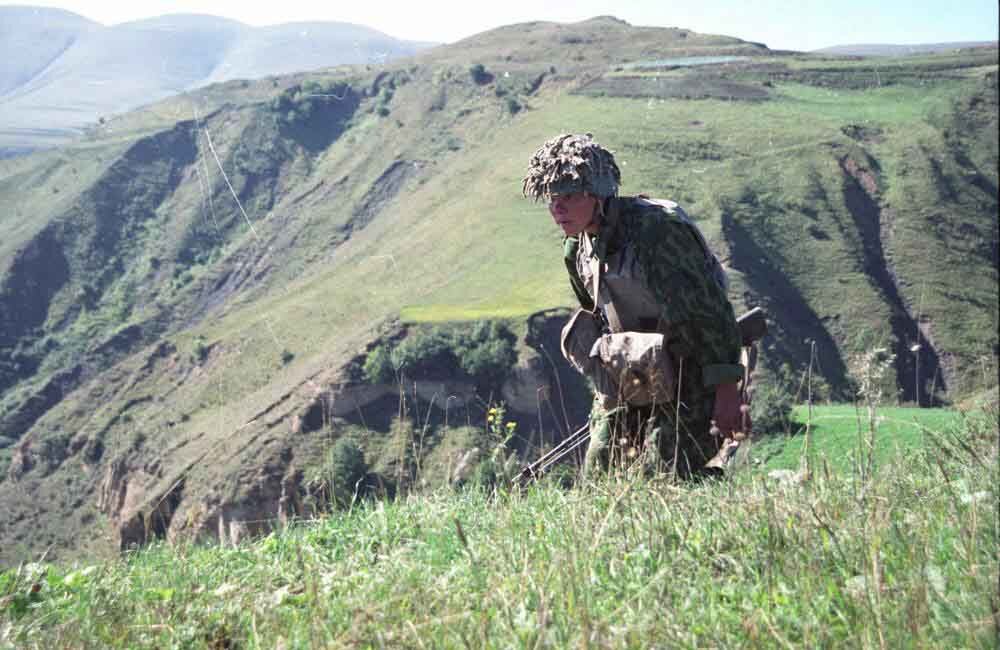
(634, 367)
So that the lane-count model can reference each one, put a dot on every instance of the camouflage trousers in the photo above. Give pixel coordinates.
(659, 438)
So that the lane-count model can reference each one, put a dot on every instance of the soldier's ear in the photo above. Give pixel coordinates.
(598, 205)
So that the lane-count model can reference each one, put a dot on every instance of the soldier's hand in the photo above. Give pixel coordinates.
(727, 416)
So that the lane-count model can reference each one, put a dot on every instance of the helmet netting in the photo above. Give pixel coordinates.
(571, 163)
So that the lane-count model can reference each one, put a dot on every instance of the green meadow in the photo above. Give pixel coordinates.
(901, 557)
(838, 434)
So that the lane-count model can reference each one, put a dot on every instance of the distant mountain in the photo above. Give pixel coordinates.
(882, 49)
(296, 47)
(31, 38)
(60, 72)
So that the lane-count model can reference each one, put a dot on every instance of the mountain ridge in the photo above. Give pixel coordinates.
(50, 95)
(892, 49)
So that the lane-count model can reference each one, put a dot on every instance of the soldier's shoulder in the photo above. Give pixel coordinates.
(644, 208)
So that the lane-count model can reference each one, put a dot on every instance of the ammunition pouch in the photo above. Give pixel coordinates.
(640, 366)
(634, 367)
(579, 335)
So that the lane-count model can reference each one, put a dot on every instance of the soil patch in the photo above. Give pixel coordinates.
(670, 87)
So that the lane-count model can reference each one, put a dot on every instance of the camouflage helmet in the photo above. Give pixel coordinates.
(572, 163)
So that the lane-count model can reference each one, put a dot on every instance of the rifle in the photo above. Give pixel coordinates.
(538, 468)
(752, 326)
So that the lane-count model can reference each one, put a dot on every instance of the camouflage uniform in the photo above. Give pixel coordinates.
(674, 275)
(694, 315)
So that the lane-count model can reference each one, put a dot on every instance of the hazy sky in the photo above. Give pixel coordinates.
(785, 24)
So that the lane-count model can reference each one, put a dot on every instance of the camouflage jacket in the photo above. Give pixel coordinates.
(676, 281)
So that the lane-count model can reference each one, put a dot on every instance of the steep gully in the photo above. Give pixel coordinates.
(794, 324)
(918, 367)
(81, 247)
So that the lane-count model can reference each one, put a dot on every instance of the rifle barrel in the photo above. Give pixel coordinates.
(554, 455)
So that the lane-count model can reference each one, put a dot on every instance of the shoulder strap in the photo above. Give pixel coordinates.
(712, 262)
(570, 247)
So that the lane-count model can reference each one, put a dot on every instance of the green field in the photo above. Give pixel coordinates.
(904, 557)
(837, 432)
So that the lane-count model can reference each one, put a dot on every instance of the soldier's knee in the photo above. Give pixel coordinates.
(597, 458)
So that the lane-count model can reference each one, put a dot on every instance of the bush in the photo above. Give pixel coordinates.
(298, 104)
(200, 350)
(345, 467)
(378, 368)
(423, 350)
(771, 408)
(485, 352)
(479, 74)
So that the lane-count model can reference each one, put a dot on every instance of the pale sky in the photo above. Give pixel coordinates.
(780, 24)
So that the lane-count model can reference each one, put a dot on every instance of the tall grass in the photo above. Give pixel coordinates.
(906, 560)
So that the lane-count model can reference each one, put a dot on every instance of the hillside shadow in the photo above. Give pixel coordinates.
(792, 323)
(917, 381)
(321, 118)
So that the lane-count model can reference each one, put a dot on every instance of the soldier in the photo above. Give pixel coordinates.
(656, 334)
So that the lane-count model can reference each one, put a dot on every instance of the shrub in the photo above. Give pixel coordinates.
(485, 352)
(343, 470)
(200, 350)
(479, 74)
(297, 104)
(422, 350)
(88, 295)
(378, 368)
(771, 408)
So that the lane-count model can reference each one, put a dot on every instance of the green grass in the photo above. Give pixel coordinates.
(905, 559)
(836, 431)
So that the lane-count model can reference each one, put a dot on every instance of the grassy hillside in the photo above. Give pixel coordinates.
(175, 363)
(904, 557)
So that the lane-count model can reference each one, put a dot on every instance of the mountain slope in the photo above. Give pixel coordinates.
(84, 71)
(299, 47)
(31, 38)
(177, 364)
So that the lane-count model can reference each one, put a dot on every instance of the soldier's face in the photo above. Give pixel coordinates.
(574, 213)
